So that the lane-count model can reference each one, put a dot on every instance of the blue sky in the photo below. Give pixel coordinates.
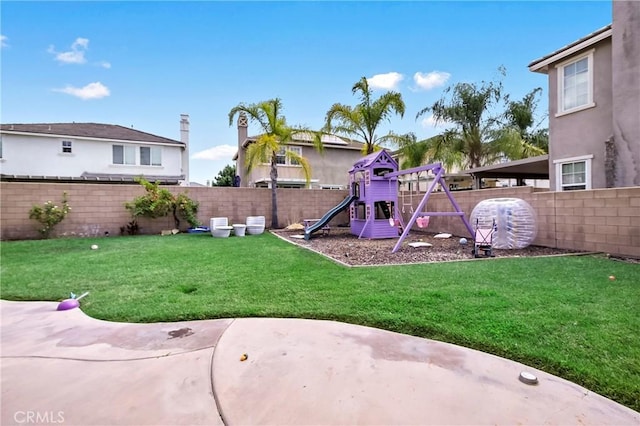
(143, 63)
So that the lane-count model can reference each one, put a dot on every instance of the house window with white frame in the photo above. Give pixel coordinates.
(66, 147)
(150, 156)
(575, 84)
(298, 151)
(282, 159)
(573, 173)
(124, 154)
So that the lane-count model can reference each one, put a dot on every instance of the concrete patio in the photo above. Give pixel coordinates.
(64, 367)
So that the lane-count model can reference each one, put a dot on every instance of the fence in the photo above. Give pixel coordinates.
(603, 220)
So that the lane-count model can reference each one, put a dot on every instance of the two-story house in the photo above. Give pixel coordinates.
(594, 106)
(91, 152)
(329, 169)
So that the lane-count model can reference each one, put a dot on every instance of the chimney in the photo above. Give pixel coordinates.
(184, 138)
(241, 167)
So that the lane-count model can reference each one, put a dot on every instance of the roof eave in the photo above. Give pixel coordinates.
(542, 65)
(169, 142)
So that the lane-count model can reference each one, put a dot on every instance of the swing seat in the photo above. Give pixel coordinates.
(422, 221)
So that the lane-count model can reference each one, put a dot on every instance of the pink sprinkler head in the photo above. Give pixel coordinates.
(68, 304)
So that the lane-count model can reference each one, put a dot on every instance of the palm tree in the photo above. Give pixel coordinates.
(362, 120)
(415, 153)
(469, 142)
(272, 142)
(516, 139)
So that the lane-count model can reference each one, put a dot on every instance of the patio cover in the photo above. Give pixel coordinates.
(527, 168)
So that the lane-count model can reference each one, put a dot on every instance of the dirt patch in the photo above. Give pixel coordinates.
(345, 247)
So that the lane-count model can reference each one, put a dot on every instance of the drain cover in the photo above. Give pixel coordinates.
(528, 378)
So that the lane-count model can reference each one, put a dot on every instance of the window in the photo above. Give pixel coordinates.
(573, 173)
(66, 147)
(150, 156)
(575, 84)
(0, 146)
(124, 154)
(297, 150)
(281, 157)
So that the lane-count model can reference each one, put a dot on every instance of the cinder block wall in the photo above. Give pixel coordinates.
(606, 220)
(467, 200)
(603, 220)
(99, 208)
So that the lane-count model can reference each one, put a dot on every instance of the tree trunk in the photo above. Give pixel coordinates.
(274, 198)
(175, 217)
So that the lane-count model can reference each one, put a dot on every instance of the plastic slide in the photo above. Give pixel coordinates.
(328, 216)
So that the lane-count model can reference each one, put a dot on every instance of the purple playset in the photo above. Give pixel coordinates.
(373, 200)
(376, 196)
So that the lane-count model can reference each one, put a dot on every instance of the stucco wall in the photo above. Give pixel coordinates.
(626, 91)
(583, 132)
(332, 167)
(329, 168)
(606, 220)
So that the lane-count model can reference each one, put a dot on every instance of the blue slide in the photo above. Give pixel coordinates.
(328, 216)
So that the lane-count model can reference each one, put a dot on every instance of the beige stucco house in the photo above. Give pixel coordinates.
(594, 106)
(329, 169)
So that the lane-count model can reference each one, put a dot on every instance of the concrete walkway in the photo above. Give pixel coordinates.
(62, 367)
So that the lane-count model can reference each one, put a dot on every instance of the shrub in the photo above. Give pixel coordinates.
(49, 215)
(188, 209)
(159, 202)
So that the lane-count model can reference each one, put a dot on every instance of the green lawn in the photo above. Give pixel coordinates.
(561, 314)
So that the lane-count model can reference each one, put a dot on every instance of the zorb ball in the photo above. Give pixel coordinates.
(515, 222)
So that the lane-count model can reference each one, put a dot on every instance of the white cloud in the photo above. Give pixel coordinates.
(3, 41)
(105, 64)
(220, 152)
(430, 80)
(388, 81)
(95, 90)
(430, 121)
(80, 42)
(73, 56)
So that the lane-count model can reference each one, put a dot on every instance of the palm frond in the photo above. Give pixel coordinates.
(301, 161)
(261, 152)
(363, 119)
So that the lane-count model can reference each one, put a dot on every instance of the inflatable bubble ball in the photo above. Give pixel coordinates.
(515, 221)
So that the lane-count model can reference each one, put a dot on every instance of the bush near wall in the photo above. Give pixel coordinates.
(603, 220)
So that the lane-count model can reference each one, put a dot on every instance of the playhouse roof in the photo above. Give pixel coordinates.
(382, 157)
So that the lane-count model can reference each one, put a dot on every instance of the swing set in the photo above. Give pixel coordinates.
(396, 220)
(418, 216)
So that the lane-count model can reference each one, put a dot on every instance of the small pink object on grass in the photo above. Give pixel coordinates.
(70, 303)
